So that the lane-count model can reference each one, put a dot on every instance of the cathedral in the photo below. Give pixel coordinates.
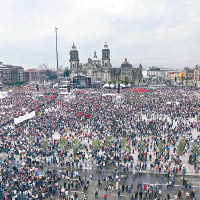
(102, 70)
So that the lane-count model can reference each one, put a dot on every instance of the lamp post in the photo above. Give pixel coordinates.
(57, 62)
(118, 88)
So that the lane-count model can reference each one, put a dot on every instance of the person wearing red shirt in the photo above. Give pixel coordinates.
(105, 196)
(145, 187)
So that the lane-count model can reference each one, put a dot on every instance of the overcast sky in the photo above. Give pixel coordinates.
(154, 32)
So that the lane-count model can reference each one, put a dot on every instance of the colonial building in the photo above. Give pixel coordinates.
(10, 73)
(154, 72)
(38, 75)
(188, 76)
(102, 70)
(31, 75)
(197, 76)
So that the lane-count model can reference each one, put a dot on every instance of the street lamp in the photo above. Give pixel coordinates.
(57, 62)
(118, 88)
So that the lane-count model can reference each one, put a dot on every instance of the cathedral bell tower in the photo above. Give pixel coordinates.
(74, 61)
(106, 56)
(106, 65)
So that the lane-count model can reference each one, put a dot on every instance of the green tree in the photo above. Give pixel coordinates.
(62, 142)
(161, 148)
(141, 147)
(169, 82)
(124, 144)
(132, 83)
(96, 144)
(126, 80)
(30, 139)
(66, 72)
(107, 142)
(17, 83)
(52, 77)
(76, 145)
(181, 146)
(114, 82)
(109, 82)
(45, 143)
(196, 149)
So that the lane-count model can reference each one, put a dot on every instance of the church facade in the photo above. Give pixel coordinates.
(102, 70)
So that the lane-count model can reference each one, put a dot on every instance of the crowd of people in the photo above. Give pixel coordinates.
(19, 101)
(97, 129)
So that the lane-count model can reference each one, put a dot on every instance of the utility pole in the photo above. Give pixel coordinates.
(57, 63)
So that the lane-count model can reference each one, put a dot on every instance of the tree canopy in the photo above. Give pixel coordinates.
(76, 145)
(161, 148)
(96, 144)
(196, 149)
(124, 144)
(181, 146)
(141, 147)
(66, 72)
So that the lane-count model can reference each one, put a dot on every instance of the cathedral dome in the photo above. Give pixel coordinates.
(126, 64)
(95, 58)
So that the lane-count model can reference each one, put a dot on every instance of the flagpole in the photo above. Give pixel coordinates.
(57, 62)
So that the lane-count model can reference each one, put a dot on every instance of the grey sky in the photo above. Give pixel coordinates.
(154, 32)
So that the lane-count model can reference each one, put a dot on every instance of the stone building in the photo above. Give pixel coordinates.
(188, 76)
(31, 75)
(101, 69)
(197, 76)
(35, 75)
(10, 73)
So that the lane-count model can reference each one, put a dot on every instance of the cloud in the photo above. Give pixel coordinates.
(154, 32)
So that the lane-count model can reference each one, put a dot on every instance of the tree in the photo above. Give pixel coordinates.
(161, 148)
(114, 82)
(181, 146)
(124, 144)
(62, 142)
(109, 82)
(17, 83)
(169, 82)
(132, 83)
(96, 144)
(52, 77)
(196, 149)
(107, 142)
(45, 143)
(141, 147)
(66, 72)
(126, 80)
(30, 139)
(76, 145)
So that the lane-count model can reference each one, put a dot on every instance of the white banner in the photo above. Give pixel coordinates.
(30, 115)
(19, 119)
(24, 117)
